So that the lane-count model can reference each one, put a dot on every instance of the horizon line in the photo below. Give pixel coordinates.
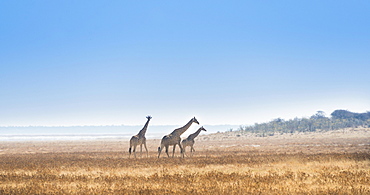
(106, 125)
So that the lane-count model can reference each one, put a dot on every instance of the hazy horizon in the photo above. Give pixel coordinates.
(177, 125)
(42, 133)
(131, 130)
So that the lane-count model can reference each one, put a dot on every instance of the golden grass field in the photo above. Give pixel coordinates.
(306, 164)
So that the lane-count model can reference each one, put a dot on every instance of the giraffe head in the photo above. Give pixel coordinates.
(195, 121)
(202, 128)
(149, 117)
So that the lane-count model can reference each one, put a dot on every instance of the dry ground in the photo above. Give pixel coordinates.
(323, 163)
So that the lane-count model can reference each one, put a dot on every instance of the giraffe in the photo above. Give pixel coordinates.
(139, 139)
(190, 140)
(174, 138)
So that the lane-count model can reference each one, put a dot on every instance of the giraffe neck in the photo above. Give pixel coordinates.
(143, 131)
(194, 135)
(181, 130)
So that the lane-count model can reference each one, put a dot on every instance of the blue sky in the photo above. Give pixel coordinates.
(225, 62)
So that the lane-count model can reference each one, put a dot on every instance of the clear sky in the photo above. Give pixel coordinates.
(225, 62)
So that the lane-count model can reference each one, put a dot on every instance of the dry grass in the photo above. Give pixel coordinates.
(208, 172)
(323, 163)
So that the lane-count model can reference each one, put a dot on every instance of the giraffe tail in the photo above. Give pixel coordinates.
(129, 150)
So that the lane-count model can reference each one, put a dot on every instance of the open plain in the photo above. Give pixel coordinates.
(333, 162)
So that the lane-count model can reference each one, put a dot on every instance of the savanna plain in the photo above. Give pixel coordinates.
(335, 162)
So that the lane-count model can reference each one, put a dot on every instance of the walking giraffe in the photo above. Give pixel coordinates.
(174, 138)
(190, 140)
(139, 139)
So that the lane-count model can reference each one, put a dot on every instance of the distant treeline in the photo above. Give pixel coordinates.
(318, 122)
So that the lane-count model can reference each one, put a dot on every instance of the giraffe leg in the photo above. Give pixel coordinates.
(134, 151)
(129, 152)
(192, 149)
(147, 154)
(173, 151)
(184, 147)
(159, 151)
(141, 150)
(181, 151)
(167, 152)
